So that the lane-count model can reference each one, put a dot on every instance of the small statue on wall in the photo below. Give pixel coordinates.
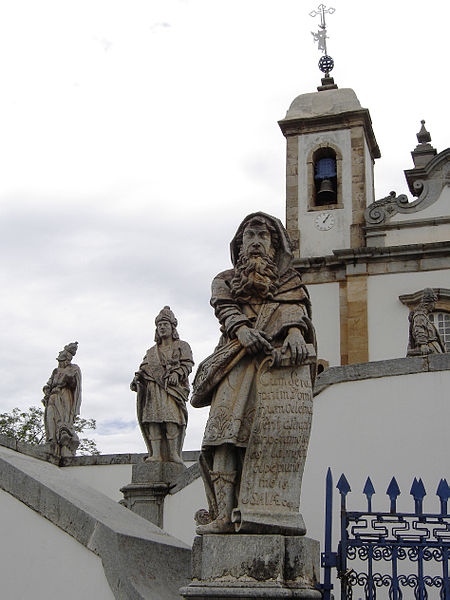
(424, 338)
(62, 400)
(162, 390)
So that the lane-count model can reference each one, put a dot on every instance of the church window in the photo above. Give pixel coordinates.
(441, 321)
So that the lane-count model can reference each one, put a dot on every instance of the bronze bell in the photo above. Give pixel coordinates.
(326, 193)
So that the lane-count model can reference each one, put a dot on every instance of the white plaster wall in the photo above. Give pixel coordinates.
(312, 241)
(387, 316)
(39, 561)
(325, 305)
(179, 511)
(418, 235)
(107, 479)
(391, 426)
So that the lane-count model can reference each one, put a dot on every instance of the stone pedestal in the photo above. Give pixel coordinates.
(244, 566)
(150, 484)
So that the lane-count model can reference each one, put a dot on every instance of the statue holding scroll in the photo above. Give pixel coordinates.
(62, 400)
(162, 391)
(258, 383)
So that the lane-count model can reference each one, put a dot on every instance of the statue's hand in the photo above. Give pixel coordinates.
(253, 340)
(296, 346)
(173, 379)
(134, 383)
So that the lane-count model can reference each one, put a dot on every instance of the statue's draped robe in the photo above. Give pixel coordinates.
(226, 379)
(422, 332)
(157, 400)
(64, 399)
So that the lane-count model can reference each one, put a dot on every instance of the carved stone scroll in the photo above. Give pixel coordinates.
(269, 498)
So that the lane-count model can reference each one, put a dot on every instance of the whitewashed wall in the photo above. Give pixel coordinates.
(388, 317)
(325, 305)
(41, 562)
(179, 511)
(107, 479)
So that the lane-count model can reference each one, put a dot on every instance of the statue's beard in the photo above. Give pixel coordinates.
(254, 276)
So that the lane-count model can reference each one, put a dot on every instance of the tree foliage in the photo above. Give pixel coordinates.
(28, 426)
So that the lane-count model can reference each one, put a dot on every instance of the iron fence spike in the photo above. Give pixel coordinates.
(368, 490)
(343, 485)
(443, 490)
(418, 489)
(393, 490)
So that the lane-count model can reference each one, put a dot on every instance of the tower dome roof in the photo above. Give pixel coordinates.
(325, 102)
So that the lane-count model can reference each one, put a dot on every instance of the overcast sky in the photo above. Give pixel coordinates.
(135, 136)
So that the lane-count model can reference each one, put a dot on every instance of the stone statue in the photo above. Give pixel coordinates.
(162, 391)
(257, 382)
(62, 400)
(424, 338)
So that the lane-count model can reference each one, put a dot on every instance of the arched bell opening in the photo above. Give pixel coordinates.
(325, 188)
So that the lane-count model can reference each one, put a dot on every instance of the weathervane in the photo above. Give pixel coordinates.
(326, 63)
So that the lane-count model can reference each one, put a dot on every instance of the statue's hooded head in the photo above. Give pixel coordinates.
(261, 253)
(166, 315)
(280, 241)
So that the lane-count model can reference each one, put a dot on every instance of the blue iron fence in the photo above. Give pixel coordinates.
(384, 546)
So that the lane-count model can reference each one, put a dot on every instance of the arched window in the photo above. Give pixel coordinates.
(325, 188)
(441, 321)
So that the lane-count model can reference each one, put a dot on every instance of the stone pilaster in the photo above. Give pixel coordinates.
(292, 224)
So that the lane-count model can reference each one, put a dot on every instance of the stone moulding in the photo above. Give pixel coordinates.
(412, 300)
(427, 183)
(139, 559)
(382, 368)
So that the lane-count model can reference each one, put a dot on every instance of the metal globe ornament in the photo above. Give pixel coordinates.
(326, 64)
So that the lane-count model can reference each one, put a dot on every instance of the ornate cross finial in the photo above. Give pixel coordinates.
(326, 63)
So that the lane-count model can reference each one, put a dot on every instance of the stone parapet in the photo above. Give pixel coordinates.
(382, 368)
(140, 560)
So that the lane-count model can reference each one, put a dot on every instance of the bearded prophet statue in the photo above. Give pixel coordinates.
(264, 311)
(162, 388)
(62, 401)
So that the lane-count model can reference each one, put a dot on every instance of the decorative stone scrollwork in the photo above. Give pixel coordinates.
(381, 210)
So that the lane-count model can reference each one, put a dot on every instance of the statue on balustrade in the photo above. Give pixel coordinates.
(62, 400)
(162, 388)
(424, 338)
(258, 383)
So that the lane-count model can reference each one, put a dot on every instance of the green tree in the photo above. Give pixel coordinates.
(28, 426)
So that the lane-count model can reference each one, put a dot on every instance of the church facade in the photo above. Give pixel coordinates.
(365, 260)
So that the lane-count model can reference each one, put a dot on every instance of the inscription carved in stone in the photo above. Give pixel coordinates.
(276, 453)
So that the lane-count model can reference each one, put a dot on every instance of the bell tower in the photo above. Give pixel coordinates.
(331, 149)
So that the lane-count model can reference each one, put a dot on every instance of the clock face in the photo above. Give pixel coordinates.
(324, 221)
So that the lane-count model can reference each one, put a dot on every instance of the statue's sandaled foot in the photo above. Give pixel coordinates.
(152, 459)
(217, 526)
(176, 459)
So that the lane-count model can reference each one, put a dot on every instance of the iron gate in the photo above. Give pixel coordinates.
(394, 554)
